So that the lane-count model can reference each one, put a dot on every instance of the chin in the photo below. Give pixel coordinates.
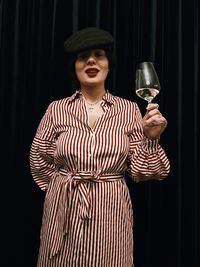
(93, 82)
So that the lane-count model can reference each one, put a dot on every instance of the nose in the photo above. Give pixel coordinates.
(91, 60)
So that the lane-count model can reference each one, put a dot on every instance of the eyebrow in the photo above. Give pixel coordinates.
(90, 51)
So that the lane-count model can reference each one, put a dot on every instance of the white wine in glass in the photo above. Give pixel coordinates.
(147, 82)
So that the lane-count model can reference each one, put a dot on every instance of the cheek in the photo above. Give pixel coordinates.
(105, 73)
(78, 74)
(78, 70)
(105, 66)
(105, 70)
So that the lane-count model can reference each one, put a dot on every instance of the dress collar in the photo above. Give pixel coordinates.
(109, 98)
(75, 95)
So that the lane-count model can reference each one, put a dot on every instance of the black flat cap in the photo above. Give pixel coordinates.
(87, 38)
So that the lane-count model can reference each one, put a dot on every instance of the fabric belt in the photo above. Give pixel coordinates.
(58, 221)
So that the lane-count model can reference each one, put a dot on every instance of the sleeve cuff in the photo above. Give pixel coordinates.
(151, 146)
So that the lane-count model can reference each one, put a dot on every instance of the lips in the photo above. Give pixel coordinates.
(92, 72)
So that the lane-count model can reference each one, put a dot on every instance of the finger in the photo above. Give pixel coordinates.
(152, 113)
(152, 106)
(155, 121)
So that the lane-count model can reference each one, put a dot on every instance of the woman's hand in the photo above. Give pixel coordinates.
(153, 122)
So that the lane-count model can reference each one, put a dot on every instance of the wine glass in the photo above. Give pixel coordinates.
(147, 82)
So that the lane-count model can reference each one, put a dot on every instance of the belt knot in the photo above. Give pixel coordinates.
(59, 221)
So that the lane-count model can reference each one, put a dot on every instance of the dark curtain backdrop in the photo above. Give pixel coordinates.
(33, 73)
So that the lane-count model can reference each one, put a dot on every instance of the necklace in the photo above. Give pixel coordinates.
(92, 106)
(93, 103)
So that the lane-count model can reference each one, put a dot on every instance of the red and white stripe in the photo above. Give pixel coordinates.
(87, 218)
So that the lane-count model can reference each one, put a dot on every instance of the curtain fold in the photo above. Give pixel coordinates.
(33, 73)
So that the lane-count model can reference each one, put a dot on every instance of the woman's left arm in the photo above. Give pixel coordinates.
(148, 159)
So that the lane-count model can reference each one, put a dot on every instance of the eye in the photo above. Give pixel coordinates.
(83, 56)
(99, 53)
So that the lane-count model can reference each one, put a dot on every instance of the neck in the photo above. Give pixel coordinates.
(93, 94)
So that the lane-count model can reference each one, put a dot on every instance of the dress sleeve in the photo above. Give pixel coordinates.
(42, 151)
(147, 158)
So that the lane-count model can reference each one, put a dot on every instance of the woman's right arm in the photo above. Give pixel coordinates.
(42, 152)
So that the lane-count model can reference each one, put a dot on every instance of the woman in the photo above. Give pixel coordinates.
(83, 146)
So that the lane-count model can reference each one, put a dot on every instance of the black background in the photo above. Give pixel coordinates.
(33, 73)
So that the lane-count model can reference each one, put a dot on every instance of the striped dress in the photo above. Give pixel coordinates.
(87, 215)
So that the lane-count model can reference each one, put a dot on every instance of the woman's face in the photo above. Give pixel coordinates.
(92, 67)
